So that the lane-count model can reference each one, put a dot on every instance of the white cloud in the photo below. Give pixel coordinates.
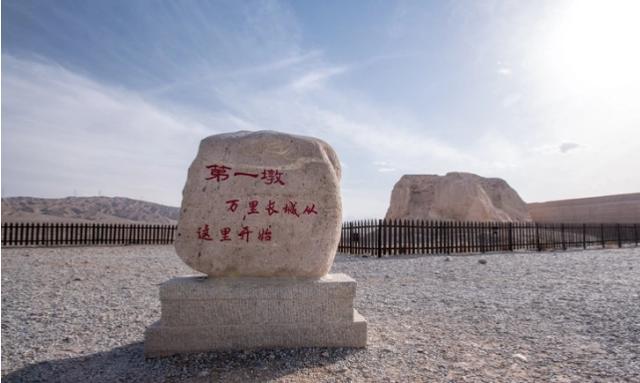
(63, 132)
(315, 78)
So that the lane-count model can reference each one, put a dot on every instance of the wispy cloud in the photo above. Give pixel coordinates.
(566, 147)
(384, 167)
(71, 133)
(316, 78)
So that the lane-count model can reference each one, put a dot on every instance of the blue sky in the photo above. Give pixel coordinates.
(112, 97)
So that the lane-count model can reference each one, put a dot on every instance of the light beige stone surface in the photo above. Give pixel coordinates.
(188, 301)
(293, 226)
(456, 197)
(261, 215)
(202, 314)
(621, 208)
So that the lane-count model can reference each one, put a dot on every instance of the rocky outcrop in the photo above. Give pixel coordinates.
(456, 197)
(621, 208)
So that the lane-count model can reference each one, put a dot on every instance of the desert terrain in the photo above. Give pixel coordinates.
(79, 314)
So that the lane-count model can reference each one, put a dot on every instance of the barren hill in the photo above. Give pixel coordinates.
(456, 197)
(86, 209)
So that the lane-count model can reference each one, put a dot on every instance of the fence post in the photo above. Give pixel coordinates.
(564, 244)
(602, 234)
(537, 237)
(379, 238)
(510, 236)
(584, 235)
(619, 237)
(350, 237)
(635, 232)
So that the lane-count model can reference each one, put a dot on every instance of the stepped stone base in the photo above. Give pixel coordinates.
(203, 314)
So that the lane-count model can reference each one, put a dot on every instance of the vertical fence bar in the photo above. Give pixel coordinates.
(379, 235)
(602, 234)
(392, 236)
(619, 237)
(27, 234)
(445, 237)
(452, 236)
(400, 233)
(388, 237)
(21, 236)
(429, 237)
(11, 231)
(510, 227)
(383, 237)
(350, 238)
(405, 237)
(458, 225)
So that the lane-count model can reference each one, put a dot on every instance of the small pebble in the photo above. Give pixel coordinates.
(520, 357)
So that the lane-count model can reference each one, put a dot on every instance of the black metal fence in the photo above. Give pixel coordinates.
(389, 237)
(375, 237)
(71, 234)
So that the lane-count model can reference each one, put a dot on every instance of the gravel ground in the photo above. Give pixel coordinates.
(79, 314)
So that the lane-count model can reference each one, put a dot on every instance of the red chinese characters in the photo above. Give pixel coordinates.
(265, 235)
(203, 233)
(290, 208)
(272, 176)
(310, 209)
(271, 208)
(224, 234)
(253, 207)
(233, 205)
(244, 233)
(220, 173)
(252, 175)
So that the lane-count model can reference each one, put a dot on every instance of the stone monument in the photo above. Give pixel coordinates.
(261, 215)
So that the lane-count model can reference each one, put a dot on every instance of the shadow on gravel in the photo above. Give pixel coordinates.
(127, 364)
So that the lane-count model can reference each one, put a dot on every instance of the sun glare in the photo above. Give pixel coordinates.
(594, 46)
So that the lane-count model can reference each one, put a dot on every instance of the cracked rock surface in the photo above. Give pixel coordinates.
(79, 314)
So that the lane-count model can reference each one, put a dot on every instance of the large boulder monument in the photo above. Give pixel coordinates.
(456, 197)
(260, 216)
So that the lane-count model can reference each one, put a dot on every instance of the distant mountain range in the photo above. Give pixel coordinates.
(86, 209)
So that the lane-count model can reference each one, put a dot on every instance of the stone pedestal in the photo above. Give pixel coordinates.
(203, 314)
